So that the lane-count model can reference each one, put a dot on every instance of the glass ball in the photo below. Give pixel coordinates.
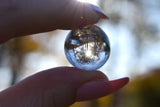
(87, 48)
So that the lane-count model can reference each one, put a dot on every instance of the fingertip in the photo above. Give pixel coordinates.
(83, 14)
(88, 14)
(99, 88)
(93, 90)
(73, 75)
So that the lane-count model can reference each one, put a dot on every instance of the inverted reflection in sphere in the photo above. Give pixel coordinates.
(87, 48)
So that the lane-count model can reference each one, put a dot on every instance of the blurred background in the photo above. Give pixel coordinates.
(134, 33)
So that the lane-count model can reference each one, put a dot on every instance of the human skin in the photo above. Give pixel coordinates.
(24, 17)
(56, 87)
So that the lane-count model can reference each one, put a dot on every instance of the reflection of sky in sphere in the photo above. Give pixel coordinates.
(88, 66)
(87, 53)
(87, 48)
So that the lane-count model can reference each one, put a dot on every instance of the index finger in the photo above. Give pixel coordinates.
(26, 17)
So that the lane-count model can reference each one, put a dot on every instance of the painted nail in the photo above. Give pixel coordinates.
(116, 84)
(99, 11)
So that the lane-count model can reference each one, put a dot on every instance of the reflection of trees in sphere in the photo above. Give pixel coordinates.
(87, 48)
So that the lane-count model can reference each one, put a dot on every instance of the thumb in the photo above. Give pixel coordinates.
(29, 17)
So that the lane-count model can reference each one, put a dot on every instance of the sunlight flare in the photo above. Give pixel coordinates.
(94, 2)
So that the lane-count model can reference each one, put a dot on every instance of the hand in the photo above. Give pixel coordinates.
(57, 87)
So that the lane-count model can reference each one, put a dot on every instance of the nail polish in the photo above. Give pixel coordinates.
(99, 11)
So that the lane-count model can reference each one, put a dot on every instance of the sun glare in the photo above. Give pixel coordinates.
(95, 2)
(89, 53)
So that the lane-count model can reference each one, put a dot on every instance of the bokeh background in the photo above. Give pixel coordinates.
(134, 33)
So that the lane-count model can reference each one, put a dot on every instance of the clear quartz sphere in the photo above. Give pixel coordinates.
(87, 48)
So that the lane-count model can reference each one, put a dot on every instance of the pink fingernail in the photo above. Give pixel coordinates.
(116, 84)
(99, 11)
